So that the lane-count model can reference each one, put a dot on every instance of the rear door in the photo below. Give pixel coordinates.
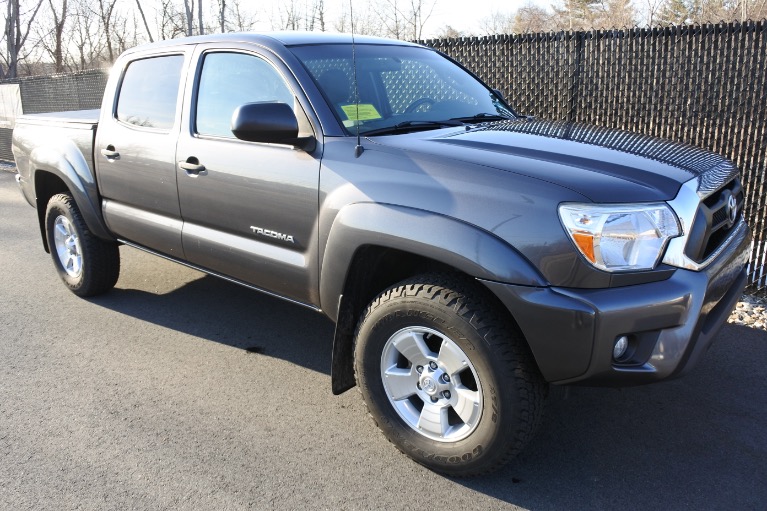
(136, 148)
(249, 209)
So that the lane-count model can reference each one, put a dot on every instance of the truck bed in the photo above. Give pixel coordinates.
(68, 134)
(72, 117)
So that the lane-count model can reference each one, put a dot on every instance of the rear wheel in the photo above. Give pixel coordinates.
(88, 265)
(446, 376)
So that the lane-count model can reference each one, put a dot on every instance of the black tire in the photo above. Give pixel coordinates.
(88, 265)
(498, 374)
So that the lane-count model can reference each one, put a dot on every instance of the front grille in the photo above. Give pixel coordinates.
(713, 221)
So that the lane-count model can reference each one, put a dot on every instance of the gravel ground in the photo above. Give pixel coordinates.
(750, 312)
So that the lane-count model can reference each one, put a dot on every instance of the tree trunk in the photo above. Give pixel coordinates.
(189, 17)
(143, 17)
(10, 37)
(14, 36)
(58, 32)
(321, 14)
(199, 17)
(106, 22)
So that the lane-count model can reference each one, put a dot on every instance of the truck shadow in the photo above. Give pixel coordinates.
(699, 442)
(216, 310)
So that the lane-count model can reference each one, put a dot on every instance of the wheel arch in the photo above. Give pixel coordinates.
(61, 168)
(373, 246)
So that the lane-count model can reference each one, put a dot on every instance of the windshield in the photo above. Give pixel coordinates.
(400, 88)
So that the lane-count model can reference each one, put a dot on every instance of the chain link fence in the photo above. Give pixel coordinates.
(703, 85)
(40, 94)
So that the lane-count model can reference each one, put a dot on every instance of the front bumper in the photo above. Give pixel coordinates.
(670, 323)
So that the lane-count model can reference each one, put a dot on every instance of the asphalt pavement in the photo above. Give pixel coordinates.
(181, 391)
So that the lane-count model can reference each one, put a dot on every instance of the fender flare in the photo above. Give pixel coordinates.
(463, 246)
(63, 159)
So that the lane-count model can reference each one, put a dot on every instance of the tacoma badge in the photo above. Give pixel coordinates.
(271, 234)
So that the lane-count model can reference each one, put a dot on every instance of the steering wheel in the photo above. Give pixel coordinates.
(412, 107)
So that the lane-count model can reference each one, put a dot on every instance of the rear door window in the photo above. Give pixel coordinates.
(149, 92)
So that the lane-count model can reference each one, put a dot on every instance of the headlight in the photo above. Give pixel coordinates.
(620, 237)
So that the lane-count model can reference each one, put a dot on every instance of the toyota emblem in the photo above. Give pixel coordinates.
(429, 385)
(731, 209)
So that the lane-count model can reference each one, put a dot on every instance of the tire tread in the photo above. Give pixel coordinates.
(101, 258)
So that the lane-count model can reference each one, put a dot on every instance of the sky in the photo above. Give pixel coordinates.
(465, 15)
(462, 15)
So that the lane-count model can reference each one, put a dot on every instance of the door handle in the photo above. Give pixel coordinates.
(110, 153)
(192, 168)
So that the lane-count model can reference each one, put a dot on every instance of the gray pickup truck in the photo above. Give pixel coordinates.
(468, 255)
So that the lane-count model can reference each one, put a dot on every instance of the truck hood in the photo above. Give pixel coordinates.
(603, 164)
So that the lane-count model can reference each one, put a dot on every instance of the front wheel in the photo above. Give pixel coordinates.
(88, 265)
(446, 376)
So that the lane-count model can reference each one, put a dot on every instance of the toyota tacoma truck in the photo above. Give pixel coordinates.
(469, 256)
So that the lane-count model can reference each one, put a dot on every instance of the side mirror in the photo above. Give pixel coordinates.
(499, 93)
(271, 123)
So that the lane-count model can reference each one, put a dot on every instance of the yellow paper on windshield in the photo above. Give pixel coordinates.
(361, 112)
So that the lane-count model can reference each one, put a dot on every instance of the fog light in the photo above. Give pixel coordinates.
(621, 345)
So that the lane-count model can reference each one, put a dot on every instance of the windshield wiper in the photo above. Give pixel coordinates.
(413, 125)
(482, 117)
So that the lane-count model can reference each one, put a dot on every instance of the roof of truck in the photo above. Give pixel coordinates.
(272, 39)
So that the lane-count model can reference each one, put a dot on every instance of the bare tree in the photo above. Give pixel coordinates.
(753, 10)
(677, 12)
(201, 26)
(320, 15)
(448, 32)
(125, 38)
(16, 33)
(105, 14)
(391, 17)
(314, 15)
(404, 19)
(222, 15)
(173, 22)
(290, 17)
(51, 37)
(651, 10)
(531, 18)
(497, 22)
(575, 14)
(366, 22)
(189, 11)
(712, 11)
(341, 24)
(143, 18)
(420, 12)
(85, 37)
(241, 19)
(615, 14)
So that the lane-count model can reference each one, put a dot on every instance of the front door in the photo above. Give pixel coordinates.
(249, 209)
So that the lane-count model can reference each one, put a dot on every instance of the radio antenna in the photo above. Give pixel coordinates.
(358, 148)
